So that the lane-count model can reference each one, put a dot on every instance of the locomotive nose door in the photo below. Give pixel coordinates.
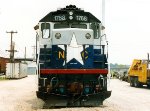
(75, 39)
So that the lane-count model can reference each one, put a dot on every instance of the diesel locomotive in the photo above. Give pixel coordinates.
(72, 58)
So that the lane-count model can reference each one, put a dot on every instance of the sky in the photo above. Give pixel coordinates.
(127, 25)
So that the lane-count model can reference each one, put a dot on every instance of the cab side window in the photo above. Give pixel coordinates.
(45, 28)
(95, 28)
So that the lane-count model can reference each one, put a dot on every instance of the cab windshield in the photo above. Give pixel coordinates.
(59, 26)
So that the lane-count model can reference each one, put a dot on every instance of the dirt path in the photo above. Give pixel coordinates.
(19, 95)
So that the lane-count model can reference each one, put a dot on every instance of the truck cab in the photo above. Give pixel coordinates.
(139, 73)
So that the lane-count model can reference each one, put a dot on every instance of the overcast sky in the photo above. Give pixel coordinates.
(127, 25)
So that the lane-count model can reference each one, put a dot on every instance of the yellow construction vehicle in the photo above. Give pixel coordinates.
(139, 73)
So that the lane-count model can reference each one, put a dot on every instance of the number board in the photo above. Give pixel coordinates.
(64, 17)
(81, 18)
(59, 18)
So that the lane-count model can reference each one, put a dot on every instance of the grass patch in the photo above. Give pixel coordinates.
(3, 78)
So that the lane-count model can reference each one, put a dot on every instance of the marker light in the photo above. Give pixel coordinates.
(57, 35)
(88, 36)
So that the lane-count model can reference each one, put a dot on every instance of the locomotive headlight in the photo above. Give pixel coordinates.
(70, 17)
(57, 35)
(88, 36)
(70, 13)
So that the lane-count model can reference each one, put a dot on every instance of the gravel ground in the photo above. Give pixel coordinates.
(128, 98)
(19, 95)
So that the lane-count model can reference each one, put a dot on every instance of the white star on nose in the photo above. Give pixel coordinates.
(73, 50)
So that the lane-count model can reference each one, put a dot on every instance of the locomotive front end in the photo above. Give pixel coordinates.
(72, 59)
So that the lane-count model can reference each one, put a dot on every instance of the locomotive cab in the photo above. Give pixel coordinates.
(72, 59)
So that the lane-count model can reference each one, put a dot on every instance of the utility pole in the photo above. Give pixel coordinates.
(12, 51)
(103, 12)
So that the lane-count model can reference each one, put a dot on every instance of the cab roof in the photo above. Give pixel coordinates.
(77, 11)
